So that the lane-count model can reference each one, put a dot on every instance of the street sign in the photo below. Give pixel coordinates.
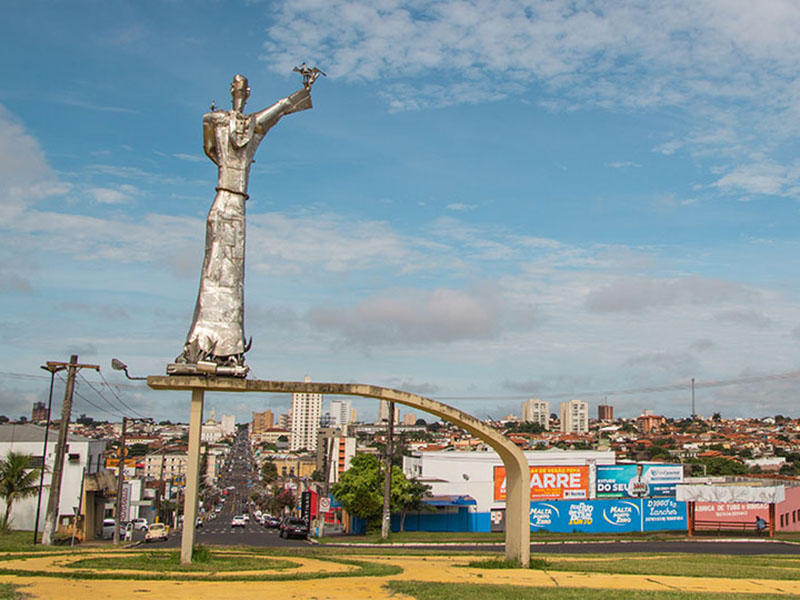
(305, 506)
(324, 505)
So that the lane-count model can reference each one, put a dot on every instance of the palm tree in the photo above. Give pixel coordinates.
(18, 479)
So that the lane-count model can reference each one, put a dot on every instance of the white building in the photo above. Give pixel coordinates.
(383, 412)
(228, 424)
(211, 432)
(82, 453)
(536, 411)
(574, 417)
(340, 411)
(473, 474)
(305, 416)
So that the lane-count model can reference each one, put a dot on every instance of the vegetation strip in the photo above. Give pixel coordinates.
(362, 569)
(471, 591)
(775, 567)
(170, 562)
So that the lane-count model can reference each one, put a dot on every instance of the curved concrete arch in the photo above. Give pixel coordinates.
(517, 547)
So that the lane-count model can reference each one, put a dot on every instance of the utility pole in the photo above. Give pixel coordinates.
(120, 482)
(51, 516)
(386, 522)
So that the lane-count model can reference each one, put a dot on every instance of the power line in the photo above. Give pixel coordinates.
(31, 377)
(119, 398)
(642, 390)
(85, 399)
(96, 391)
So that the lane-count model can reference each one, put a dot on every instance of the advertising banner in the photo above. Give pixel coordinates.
(728, 512)
(637, 481)
(549, 482)
(606, 516)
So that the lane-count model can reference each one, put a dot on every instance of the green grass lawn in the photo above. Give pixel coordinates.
(171, 561)
(20, 541)
(9, 592)
(471, 591)
(779, 567)
(212, 564)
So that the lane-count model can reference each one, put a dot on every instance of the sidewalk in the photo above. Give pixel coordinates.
(428, 568)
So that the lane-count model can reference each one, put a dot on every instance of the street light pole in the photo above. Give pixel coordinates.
(53, 369)
(120, 481)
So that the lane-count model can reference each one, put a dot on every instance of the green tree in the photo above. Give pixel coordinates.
(279, 500)
(407, 495)
(19, 479)
(360, 490)
(721, 466)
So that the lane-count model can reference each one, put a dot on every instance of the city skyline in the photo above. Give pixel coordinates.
(488, 202)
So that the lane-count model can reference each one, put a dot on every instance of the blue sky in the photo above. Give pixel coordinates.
(489, 201)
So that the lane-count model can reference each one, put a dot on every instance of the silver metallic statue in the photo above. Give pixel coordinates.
(216, 341)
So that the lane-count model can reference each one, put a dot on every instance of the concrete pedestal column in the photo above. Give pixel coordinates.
(192, 477)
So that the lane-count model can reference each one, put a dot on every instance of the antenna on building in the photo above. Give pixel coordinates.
(694, 414)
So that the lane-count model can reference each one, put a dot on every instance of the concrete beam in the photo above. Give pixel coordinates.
(518, 533)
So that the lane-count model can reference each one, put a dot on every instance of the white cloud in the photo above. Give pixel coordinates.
(412, 316)
(121, 195)
(25, 176)
(762, 178)
(461, 206)
(636, 295)
(745, 317)
(726, 69)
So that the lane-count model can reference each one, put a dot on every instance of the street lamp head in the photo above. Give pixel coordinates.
(118, 365)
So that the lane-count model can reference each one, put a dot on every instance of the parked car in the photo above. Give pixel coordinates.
(139, 524)
(272, 522)
(293, 527)
(108, 528)
(238, 521)
(156, 532)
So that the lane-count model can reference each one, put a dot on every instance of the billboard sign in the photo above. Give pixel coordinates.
(605, 516)
(730, 511)
(637, 481)
(549, 482)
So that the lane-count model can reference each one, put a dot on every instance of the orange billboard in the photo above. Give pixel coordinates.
(550, 482)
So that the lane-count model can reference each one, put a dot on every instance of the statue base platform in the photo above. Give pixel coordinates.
(207, 368)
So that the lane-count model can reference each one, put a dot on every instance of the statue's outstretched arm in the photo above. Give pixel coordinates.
(209, 136)
(265, 119)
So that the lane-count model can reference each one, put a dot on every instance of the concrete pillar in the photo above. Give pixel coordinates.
(192, 477)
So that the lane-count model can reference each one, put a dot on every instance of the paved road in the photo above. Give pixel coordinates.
(218, 532)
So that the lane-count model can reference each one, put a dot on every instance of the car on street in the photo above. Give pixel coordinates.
(238, 521)
(293, 527)
(198, 522)
(108, 528)
(272, 522)
(139, 524)
(156, 532)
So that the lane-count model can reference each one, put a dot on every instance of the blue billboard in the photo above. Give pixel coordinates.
(637, 481)
(607, 516)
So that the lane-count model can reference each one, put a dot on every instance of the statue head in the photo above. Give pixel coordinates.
(240, 92)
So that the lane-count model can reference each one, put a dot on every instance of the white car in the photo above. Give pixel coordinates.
(139, 524)
(156, 532)
(238, 521)
(108, 528)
